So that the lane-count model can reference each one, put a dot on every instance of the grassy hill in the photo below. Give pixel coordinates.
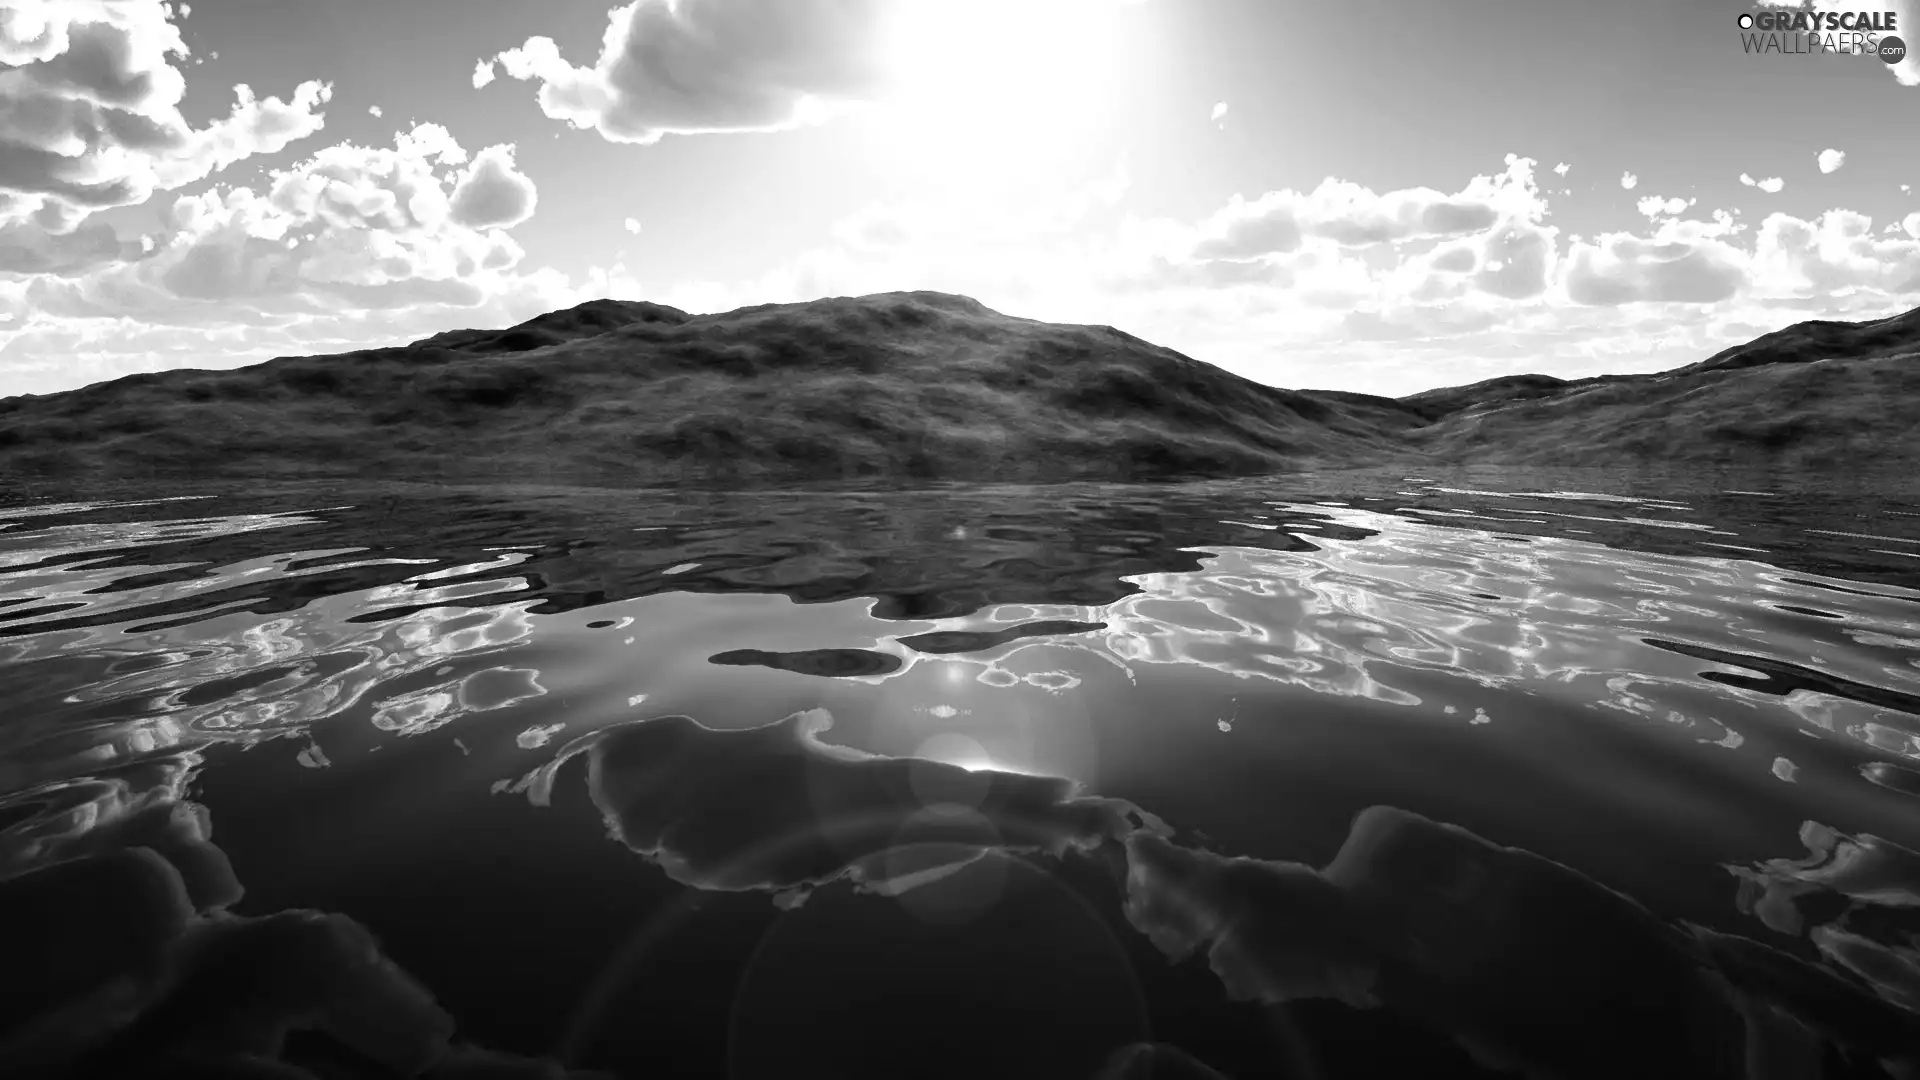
(1816, 394)
(926, 386)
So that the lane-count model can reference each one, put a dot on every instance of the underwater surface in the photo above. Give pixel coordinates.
(1478, 773)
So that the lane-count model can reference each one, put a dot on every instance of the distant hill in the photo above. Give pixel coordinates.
(909, 385)
(1817, 394)
(1820, 339)
(928, 386)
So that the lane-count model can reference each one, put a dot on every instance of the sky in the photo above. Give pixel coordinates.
(1375, 196)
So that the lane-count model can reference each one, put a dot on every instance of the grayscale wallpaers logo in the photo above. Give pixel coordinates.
(1847, 33)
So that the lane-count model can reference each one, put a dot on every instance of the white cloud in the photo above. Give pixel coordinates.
(1219, 112)
(1562, 168)
(1355, 216)
(1654, 206)
(1620, 268)
(1628, 180)
(352, 246)
(90, 118)
(1835, 253)
(493, 193)
(708, 65)
(482, 73)
(1771, 185)
(373, 111)
(1831, 159)
(631, 225)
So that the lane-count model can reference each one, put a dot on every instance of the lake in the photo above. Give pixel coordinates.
(1463, 773)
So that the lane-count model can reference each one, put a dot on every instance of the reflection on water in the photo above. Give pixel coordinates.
(1476, 774)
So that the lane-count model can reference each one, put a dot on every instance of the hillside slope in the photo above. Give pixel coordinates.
(1833, 413)
(927, 386)
(1817, 394)
(910, 385)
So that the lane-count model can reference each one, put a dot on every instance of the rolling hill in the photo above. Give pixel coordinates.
(927, 386)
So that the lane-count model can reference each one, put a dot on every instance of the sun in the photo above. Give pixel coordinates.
(985, 85)
(942, 53)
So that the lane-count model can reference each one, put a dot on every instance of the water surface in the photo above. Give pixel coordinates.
(1009, 781)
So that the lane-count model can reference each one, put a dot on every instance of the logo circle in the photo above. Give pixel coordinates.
(1892, 50)
(1746, 22)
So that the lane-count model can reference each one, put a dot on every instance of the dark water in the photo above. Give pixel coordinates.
(1337, 775)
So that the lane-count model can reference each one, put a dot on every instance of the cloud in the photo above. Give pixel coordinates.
(1771, 185)
(708, 66)
(631, 225)
(1830, 159)
(1620, 268)
(1355, 216)
(1219, 112)
(27, 248)
(90, 118)
(1835, 253)
(352, 246)
(1628, 180)
(373, 111)
(1654, 206)
(1516, 261)
(492, 193)
(482, 73)
(1562, 168)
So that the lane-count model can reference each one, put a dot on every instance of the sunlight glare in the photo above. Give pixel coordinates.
(986, 86)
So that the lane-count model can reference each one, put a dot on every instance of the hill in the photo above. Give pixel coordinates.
(910, 385)
(1817, 394)
(926, 386)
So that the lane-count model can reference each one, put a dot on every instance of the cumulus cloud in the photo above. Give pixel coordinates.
(373, 111)
(352, 246)
(492, 193)
(482, 73)
(708, 65)
(1835, 253)
(1654, 206)
(28, 248)
(632, 225)
(1628, 180)
(1830, 159)
(1355, 216)
(90, 117)
(1219, 112)
(1620, 268)
(1562, 168)
(1771, 185)
(1517, 261)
